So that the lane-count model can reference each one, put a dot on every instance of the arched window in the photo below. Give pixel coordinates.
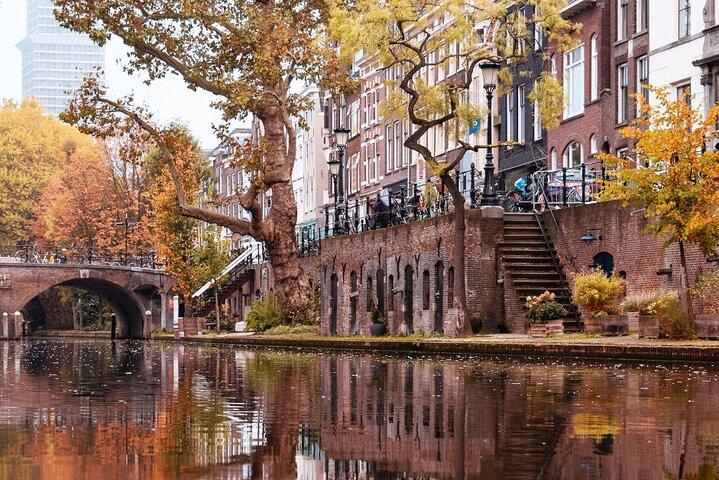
(594, 69)
(390, 297)
(573, 155)
(425, 290)
(380, 290)
(450, 287)
(592, 144)
(370, 300)
(553, 159)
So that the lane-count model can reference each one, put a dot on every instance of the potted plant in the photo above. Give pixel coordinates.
(644, 305)
(598, 297)
(707, 291)
(672, 320)
(379, 322)
(545, 315)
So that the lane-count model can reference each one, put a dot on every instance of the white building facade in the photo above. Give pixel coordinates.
(55, 60)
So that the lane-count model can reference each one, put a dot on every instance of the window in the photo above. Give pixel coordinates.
(406, 156)
(365, 164)
(622, 92)
(376, 160)
(537, 121)
(622, 152)
(642, 80)
(594, 70)
(510, 116)
(538, 33)
(553, 65)
(684, 93)
(390, 298)
(354, 118)
(641, 12)
(553, 159)
(520, 113)
(592, 144)
(574, 82)
(425, 290)
(398, 145)
(684, 18)
(622, 19)
(573, 155)
(389, 152)
(370, 300)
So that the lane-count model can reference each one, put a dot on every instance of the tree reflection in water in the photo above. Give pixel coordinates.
(85, 409)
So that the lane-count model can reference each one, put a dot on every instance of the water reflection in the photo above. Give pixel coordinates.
(73, 410)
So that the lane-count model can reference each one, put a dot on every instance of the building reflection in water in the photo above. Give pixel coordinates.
(137, 410)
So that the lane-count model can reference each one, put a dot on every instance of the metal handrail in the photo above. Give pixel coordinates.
(557, 267)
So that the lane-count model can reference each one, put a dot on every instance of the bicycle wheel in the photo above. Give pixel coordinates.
(511, 201)
(21, 256)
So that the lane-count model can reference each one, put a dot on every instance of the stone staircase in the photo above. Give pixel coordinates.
(532, 263)
(234, 283)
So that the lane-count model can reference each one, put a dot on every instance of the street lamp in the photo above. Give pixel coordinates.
(333, 163)
(336, 166)
(490, 70)
(127, 224)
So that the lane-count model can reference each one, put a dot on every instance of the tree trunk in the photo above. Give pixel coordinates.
(687, 291)
(291, 283)
(459, 301)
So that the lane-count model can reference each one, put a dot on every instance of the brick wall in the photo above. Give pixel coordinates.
(625, 234)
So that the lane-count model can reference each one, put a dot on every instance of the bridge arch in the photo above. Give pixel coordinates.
(129, 292)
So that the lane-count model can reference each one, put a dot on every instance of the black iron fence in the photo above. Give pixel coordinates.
(31, 253)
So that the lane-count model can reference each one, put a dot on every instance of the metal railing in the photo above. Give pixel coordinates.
(556, 189)
(31, 253)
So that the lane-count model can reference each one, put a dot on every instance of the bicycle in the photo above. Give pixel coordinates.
(28, 254)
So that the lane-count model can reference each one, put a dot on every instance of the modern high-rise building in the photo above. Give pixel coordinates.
(54, 60)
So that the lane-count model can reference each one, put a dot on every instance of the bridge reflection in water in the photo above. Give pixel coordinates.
(138, 410)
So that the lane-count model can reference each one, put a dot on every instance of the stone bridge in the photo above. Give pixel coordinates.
(137, 296)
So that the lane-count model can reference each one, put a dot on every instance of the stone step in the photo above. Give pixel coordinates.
(523, 234)
(522, 245)
(534, 273)
(529, 256)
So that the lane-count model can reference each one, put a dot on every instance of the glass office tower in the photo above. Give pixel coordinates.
(54, 60)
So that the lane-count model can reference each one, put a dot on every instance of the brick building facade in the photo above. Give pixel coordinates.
(407, 271)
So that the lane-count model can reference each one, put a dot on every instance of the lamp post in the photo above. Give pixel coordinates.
(333, 163)
(489, 74)
(127, 224)
(336, 168)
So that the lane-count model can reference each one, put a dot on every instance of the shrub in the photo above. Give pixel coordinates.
(264, 314)
(596, 293)
(544, 307)
(673, 320)
(640, 302)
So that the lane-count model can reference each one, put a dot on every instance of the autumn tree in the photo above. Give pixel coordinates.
(675, 174)
(33, 149)
(79, 205)
(246, 53)
(412, 38)
(174, 232)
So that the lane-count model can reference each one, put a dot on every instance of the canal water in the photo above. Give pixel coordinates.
(138, 410)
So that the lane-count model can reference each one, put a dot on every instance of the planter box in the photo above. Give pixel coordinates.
(648, 326)
(707, 326)
(608, 325)
(633, 318)
(542, 329)
(377, 329)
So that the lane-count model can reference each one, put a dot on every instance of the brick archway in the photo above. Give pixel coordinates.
(130, 292)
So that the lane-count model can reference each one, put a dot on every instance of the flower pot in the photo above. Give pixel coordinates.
(707, 326)
(556, 326)
(377, 329)
(633, 318)
(648, 326)
(538, 329)
(607, 325)
(549, 327)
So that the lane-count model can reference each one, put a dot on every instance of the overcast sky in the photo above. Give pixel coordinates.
(168, 98)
